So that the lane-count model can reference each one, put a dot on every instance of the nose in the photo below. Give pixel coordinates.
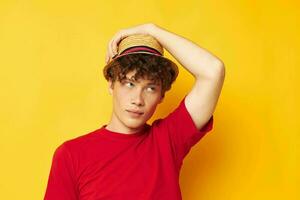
(138, 98)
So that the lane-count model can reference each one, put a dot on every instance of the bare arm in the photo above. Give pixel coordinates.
(198, 61)
(207, 69)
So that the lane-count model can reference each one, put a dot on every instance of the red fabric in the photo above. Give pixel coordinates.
(114, 166)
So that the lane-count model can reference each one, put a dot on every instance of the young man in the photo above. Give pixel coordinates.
(127, 158)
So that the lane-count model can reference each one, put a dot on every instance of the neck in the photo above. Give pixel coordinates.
(116, 125)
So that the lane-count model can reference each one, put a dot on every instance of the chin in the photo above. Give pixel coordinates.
(134, 124)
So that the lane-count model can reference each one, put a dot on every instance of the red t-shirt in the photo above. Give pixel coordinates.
(106, 165)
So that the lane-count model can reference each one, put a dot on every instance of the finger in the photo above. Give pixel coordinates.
(106, 58)
(115, 44)
(109, 49)
(107, 55)
(107, 52)
(113, 48)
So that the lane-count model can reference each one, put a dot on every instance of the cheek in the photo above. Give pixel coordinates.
(152, 99)
(120, 97)
(152, 103)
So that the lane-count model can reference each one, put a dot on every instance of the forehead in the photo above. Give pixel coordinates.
(130, 76)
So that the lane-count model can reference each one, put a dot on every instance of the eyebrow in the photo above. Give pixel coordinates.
(151, 83)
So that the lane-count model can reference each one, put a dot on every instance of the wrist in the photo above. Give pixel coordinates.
(153, 30)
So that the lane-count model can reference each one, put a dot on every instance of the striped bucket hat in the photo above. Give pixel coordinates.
(140, 44)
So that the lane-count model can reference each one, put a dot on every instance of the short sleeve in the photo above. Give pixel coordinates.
(182, 131)
(61, 180)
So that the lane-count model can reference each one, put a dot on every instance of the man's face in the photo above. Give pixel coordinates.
(134, 102)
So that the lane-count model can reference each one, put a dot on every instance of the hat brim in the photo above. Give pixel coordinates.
(171, 63)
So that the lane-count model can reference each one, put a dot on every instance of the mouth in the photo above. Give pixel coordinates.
(135, 113)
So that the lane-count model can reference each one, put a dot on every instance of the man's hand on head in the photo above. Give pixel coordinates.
(112, 47)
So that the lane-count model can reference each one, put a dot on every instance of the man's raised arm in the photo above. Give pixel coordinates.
(207, 69)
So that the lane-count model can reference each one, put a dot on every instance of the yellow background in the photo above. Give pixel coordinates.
(52, 89)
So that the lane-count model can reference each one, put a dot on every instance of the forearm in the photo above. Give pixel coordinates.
(198, 61)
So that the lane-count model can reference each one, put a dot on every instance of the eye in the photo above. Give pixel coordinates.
(129, 84)
(151, 89)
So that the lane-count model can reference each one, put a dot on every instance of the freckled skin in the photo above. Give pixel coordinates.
(132, 95)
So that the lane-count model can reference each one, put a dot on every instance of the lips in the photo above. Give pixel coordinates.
(135, 111)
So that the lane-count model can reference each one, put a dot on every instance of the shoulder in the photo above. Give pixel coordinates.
(79, 143)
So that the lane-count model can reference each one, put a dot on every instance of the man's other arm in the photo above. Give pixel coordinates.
(207, 69)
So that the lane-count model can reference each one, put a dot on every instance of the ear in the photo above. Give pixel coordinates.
(110, 87)
(161, 99)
